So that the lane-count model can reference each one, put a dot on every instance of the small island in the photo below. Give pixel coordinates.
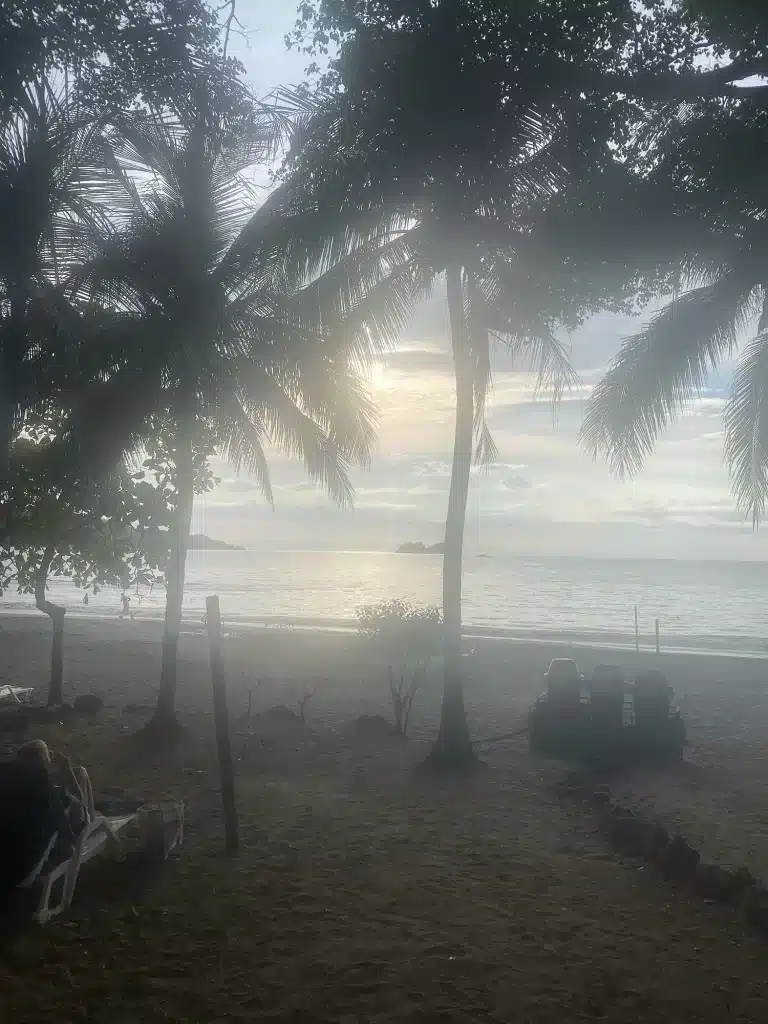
(417, 548)
(199, 542)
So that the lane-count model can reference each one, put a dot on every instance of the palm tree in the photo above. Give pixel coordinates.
(51, 171)
(378, 211)
(206, 333)
(707, 174)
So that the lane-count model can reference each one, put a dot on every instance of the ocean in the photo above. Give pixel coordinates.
(707, 606)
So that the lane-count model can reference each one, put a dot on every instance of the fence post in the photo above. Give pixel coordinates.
(221, 722)
(637, 634)
(658, 644)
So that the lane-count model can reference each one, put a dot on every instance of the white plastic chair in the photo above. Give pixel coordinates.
(91, 841)
(34, 874)
(16, 694)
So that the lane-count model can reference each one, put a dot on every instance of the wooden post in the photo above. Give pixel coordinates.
(221, 721)
(56, 687)
(658, 644)
(637, 634)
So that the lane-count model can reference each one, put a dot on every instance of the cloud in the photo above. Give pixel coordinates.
(305, 485)
(516, 483)
(239, 486)
(545, 494)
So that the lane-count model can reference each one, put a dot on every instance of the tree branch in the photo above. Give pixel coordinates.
(41, 580)
(673, 85)
(232, 18)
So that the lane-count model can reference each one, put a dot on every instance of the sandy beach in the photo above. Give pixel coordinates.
(368, 892)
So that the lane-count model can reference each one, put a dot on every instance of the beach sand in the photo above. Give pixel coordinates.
(367, 891)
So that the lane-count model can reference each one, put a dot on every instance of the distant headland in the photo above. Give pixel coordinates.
(199, 542)
(417, 548)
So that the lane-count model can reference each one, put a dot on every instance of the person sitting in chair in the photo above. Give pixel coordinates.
(73, 785)
(33, 822)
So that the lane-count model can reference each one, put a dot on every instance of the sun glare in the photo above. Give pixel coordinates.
(378, 378)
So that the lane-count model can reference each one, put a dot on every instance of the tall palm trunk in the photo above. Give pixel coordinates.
(12, 347)
(165, 713)
(453, 748)
(56, 613)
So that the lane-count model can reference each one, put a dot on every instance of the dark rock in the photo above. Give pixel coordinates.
(635, 837)
(88, 703)
(712, 882)
(680, 860)
(657, 843)
(756, 909)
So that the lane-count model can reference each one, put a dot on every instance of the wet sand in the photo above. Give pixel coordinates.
(366, 891)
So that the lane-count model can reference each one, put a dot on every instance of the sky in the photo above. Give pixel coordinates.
(544, 495)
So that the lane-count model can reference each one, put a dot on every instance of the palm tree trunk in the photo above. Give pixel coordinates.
(165, 713)
(453, 748)
(56, 613)
(11, 358)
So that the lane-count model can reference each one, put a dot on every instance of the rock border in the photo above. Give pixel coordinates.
(632, 835)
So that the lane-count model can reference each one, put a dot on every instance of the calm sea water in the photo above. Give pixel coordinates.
(714, 605)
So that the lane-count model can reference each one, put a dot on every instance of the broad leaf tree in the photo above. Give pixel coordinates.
(96, 534)
(109, 53)
(114, 530)
(701, 195)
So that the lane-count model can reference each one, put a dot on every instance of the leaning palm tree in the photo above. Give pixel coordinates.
(378, 210)
(204, 332)
(707, 172)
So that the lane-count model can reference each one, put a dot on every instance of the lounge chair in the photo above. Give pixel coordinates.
(101, 832)
(91, 841)
(15, 694)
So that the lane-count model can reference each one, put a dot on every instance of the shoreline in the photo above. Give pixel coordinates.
(696, 646)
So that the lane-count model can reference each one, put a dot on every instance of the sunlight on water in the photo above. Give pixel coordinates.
(709, 604)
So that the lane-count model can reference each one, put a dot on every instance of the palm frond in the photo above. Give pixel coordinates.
(365, 303)
(241, 439)
(323, 388)
(746, 430)
(660, 369)
(296, 434)
(486, 451)
(537, 349)
(480, 359)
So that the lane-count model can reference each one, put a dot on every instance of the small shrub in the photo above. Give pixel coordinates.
(304, 697)
(409, 636)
